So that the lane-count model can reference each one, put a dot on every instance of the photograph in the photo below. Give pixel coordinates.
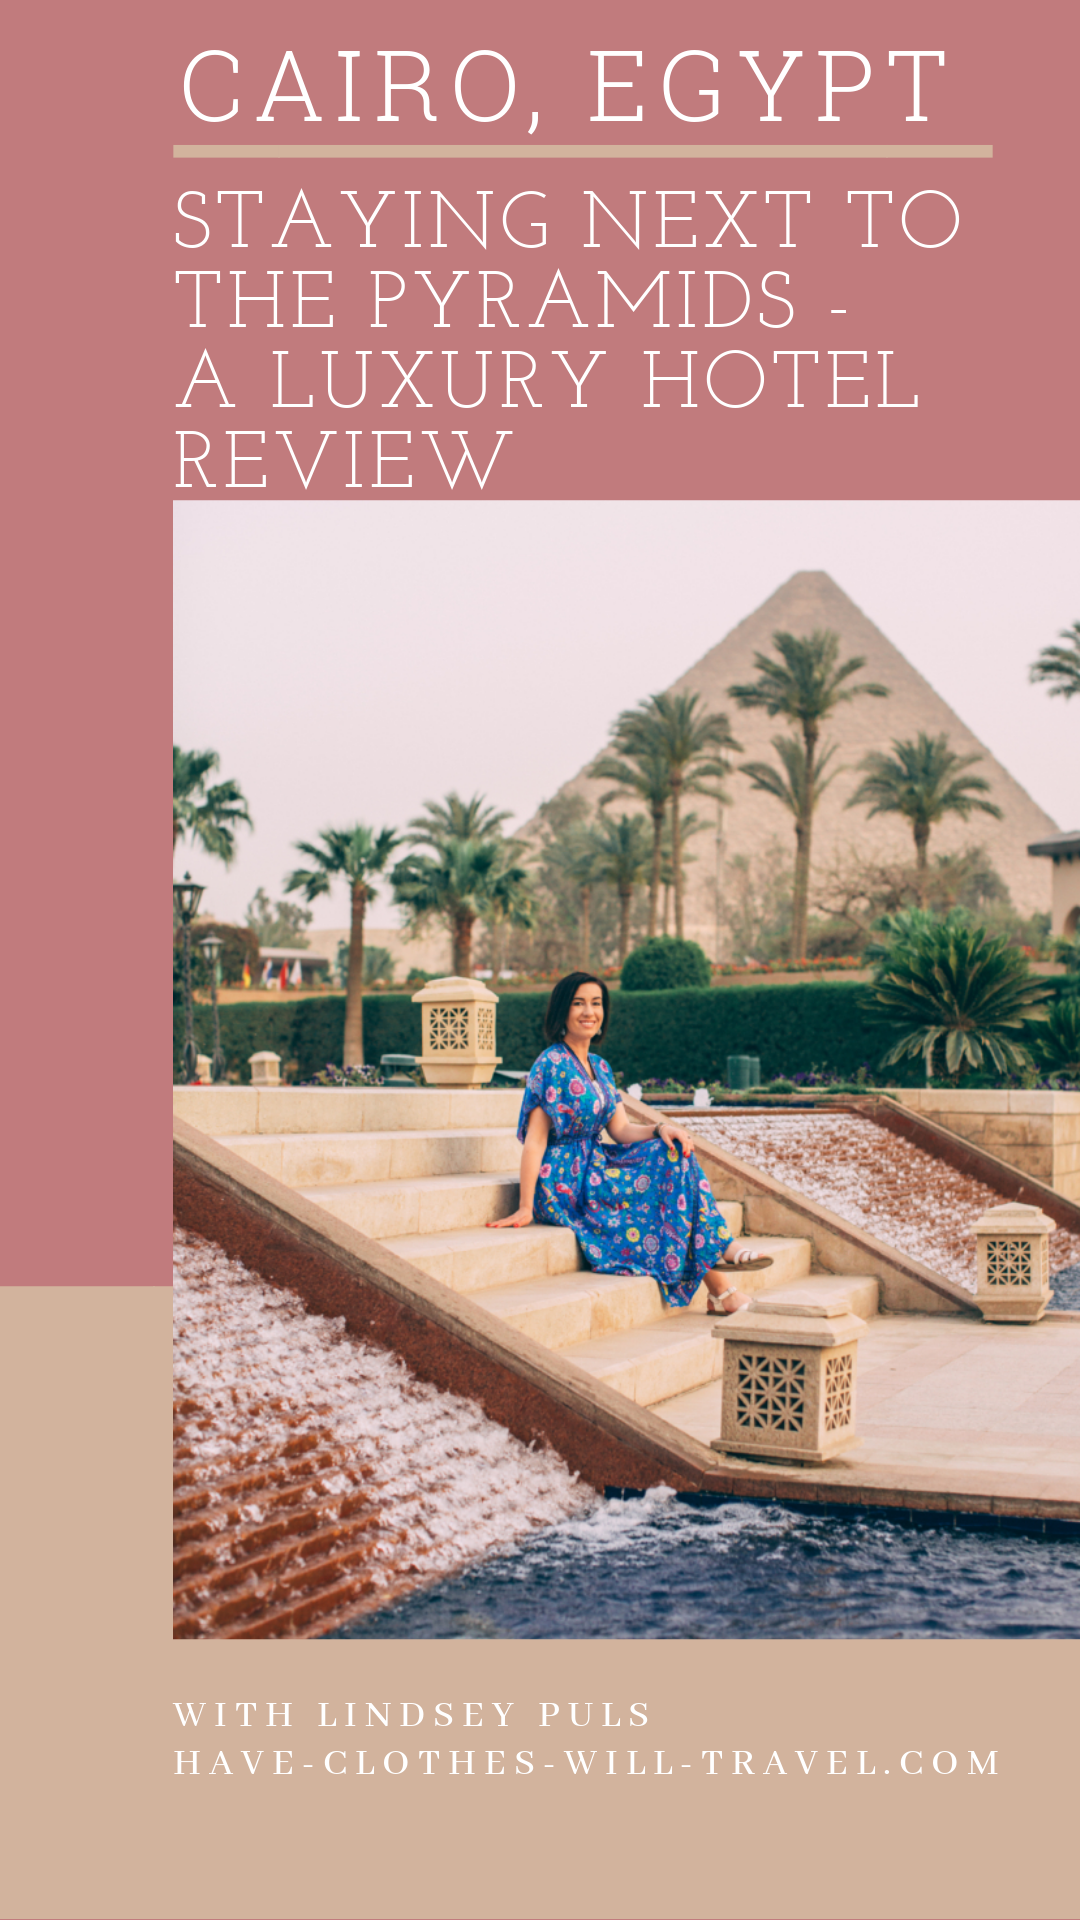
(640, 1108)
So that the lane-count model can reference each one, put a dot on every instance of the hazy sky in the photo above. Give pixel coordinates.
(351, 660)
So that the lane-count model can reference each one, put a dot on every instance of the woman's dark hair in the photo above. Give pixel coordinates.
(562, 999)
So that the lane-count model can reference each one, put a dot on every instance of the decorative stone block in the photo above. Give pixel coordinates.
(265, 1069)
(1013, 1263)
(459, 1032)
(789, 1385)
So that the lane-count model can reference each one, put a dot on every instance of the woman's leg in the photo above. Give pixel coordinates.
(720, 1283)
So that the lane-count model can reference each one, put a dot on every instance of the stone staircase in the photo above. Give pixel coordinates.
(426, 1192)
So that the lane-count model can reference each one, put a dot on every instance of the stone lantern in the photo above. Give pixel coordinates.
(265, 1069)
(1013, 1256)
(458, 1048)
(789, 1384)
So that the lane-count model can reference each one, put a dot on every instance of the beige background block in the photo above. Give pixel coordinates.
(104, 1828)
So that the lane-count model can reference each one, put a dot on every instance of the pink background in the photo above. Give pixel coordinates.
(100, 358)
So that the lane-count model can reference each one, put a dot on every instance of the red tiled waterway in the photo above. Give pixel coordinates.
(871, 1177)
(313, 1476)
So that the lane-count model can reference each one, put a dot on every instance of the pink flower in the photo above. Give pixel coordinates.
(671, 1262)
(545, 1171)
(577, 1087)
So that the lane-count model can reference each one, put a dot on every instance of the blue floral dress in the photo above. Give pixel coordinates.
(645, 1208)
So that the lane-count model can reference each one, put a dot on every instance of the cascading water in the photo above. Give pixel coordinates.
(314, 1475)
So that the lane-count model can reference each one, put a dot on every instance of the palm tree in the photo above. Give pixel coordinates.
(475, 873)
(799, 791)
(455, 819)
(459, 884)
(648, 780)
(953, 983)
(623, 859)
(208, 815)
(923, 780)
(689, 826)
(512, 902)
(1059, 667)
(805, 683)
(355, 855)
(579, 855)
(690, 744)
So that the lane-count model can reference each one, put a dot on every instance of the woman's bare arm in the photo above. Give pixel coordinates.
(532, 1154)
(626, 1132)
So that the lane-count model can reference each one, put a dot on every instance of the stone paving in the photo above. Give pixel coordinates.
(953, 1406)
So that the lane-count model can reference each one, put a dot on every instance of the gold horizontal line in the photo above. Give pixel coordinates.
(597, 150)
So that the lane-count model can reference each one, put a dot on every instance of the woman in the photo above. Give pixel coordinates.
(642, 1206)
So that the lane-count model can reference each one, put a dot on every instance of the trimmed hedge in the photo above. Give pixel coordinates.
(684, 1033)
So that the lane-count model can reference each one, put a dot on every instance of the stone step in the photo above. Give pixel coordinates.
(337, 1159)
(825, 1295)
(562, 1309)
(225, 1110)
(438, 1203)
(654, 1362)
(474, 1259)
(577, 1313)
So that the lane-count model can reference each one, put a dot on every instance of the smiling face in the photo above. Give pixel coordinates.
(586, 1016)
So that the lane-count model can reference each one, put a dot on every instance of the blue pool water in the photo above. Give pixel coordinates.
(666, 1567)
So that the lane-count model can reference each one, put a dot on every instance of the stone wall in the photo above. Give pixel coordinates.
(1038, 1133)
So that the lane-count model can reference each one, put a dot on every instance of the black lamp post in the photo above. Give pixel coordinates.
(187, 896)
(210, 948)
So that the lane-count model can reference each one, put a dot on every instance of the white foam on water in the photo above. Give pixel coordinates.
(449, 1484)
(887, 1185)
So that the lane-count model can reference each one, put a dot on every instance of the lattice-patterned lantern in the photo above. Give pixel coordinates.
(265, 1069)
(789, 1384)
(459, 1033)
(1013, 1263)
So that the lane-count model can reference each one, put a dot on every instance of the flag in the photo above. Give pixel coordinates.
(296, 977)
(245, 977)
(268, 973)
(283, 978)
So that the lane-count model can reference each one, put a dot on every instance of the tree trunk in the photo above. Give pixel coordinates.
(625, 897)
(676, 856)
(586, 926)
(798, 902)
(354, 993)
(463, 933)
(654, 877)
(803, 832)
(667, 908)
(922, 836)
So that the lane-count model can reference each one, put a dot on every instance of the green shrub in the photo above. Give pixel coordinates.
(1056, 1040)
(665, 962)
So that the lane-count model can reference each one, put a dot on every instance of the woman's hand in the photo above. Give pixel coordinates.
(522, 1218)
(674, 1136)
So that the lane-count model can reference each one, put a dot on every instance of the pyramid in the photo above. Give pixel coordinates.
(754, 823)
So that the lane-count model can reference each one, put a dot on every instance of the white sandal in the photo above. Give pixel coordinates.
(726, 1313)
